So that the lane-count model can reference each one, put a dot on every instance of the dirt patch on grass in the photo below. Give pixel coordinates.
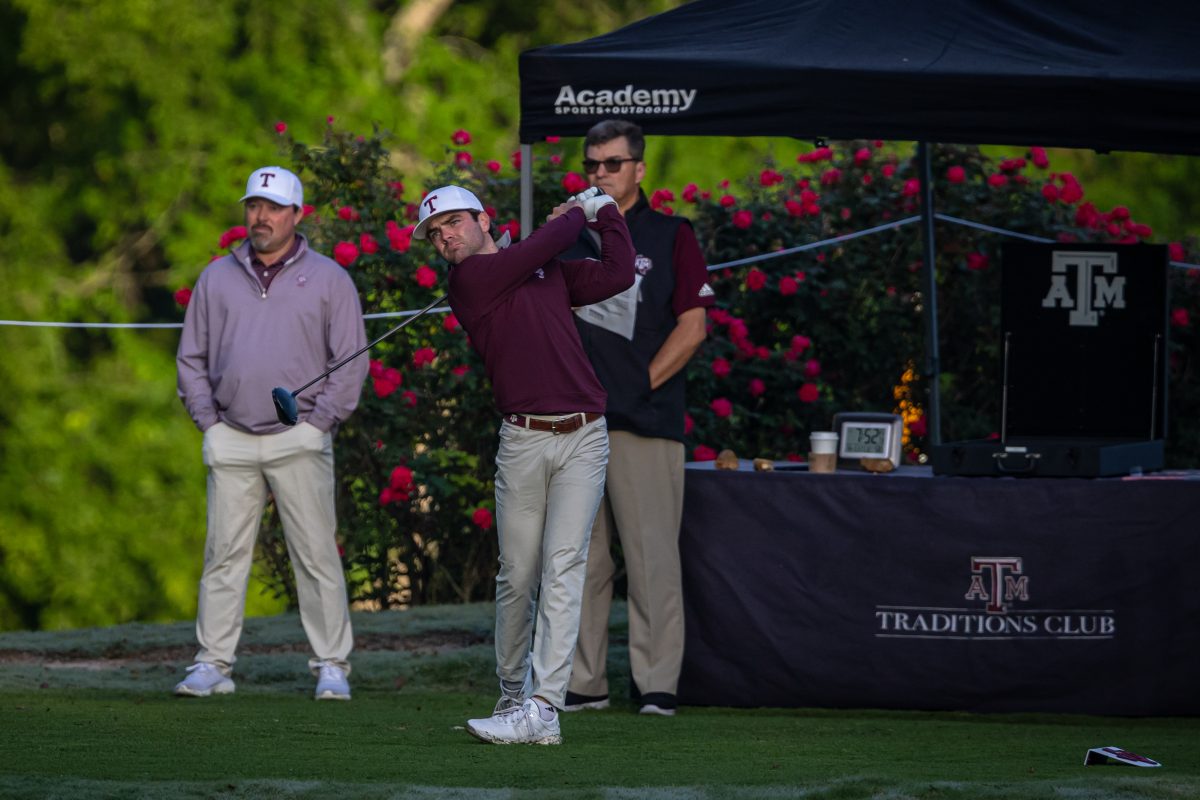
(122, 654)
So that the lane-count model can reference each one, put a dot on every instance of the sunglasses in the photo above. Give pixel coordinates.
(590, 165)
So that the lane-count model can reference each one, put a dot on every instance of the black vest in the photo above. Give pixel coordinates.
(623, 366)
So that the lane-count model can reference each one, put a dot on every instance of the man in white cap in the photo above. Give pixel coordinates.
(515, 303)
(270, 313)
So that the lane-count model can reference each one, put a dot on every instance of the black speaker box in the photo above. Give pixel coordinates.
(1084, 380)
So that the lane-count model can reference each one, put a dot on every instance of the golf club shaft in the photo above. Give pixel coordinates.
(369, 345)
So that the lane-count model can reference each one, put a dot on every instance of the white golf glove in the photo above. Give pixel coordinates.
(594, 204)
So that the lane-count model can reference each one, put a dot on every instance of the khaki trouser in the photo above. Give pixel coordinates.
(643, 506)
(548, 488)
(297, 467)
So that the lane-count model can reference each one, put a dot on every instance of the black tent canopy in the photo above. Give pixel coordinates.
(1067, 73)
(1098, 74)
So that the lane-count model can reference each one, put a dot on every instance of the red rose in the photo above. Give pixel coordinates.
(808, 393)
(728, 201)
(367, 244)
(553, 139)
(794, 209)
(463, 158)
(769, 177)
(757, 387)
(397, 188)
(862, 156)
(703, 452)
(460, 370)
(409, 398)
(183, 296)
(426, 277)
(831, 177)
(234, 234)
(689, 193)
(383, 387)
(515, 159)
(812, 368)
(345, 213)
(912, 187)
(281, 127)
(997, 180)
(977, 261)
(306, 209)
(1180, 318)
(1176, 252)
(401, 479)
(755, 278)
(483, 518)
(400, 239)
(493, 166)
(688, 423)
(461, 137)
(742, 219)
(721, 407)
(385, 497)
(423, 356)
(956, 174)
(450, 322)
(888, 170)
(374, 367)
(1038, 156)
(574, 183)
(720, 367)
(867, 179)
(1050, 192)
(800, 344)
(1071, 193)
(788, 286)
(344, 253)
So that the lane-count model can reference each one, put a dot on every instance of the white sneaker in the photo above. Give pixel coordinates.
(507, 703)
(520, 725)
(204, 679)
(656, 710)
(332, 684)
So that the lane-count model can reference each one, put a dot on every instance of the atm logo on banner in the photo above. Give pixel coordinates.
(998, 587)
(1097, 286)
(626, 100)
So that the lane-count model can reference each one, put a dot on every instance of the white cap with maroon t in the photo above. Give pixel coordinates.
(276, 184)
(439, 201)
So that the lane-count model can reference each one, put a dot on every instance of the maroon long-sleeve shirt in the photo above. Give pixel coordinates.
(516, 306)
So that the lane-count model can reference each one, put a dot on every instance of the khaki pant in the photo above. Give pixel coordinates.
(548, 488)
(297, 467)
(643, 506)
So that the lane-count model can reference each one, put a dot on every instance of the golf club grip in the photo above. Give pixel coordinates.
(370, 344)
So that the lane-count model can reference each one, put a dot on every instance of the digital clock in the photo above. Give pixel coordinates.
(864, 434)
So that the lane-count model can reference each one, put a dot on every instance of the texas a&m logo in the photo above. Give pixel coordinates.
(998, 581)
(1097, 285)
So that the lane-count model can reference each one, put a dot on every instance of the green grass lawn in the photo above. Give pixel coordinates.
(89, 714)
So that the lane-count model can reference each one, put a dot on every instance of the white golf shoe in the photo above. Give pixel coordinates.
(204, 679)
(523, 724)
(332, 684)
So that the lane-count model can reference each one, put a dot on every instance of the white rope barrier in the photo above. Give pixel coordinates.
(741, 262)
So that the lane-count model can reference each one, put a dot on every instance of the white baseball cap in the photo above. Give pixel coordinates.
(276, 184)
(439, 201)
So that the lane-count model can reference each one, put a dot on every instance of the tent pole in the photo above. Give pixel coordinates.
(526, 190)
(933, 360)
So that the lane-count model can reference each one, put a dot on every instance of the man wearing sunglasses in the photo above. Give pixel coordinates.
(639, 343)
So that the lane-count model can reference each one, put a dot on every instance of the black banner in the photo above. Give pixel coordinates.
(917, 592)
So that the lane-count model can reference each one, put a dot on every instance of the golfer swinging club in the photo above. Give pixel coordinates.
(516, 304)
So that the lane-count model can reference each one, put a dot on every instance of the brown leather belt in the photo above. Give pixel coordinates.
(571, 422)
